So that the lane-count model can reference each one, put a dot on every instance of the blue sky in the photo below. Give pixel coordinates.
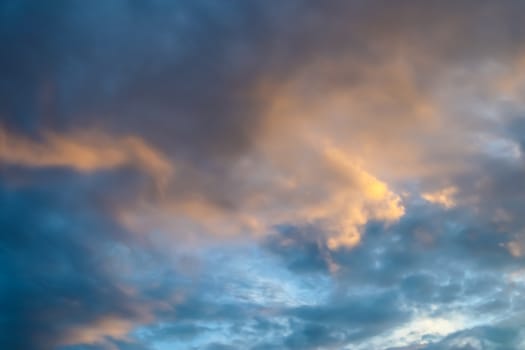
(253, 174)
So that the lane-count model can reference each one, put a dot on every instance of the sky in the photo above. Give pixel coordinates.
(262, 175)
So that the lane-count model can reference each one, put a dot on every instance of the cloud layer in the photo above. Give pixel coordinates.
(254, 175)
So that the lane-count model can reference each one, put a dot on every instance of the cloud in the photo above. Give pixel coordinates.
(97, 332)
(84, 152)
(348, 199)
(442, 197)
(487, 337)
(59, 264)
(329, 174)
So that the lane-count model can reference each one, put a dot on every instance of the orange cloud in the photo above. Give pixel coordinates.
(335, 193)
(84, 152)
(98, 331)
(515, 248)
(334, 143)
(369, 199)
(443, 197)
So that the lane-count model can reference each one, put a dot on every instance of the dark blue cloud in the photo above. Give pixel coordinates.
(56, 263)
